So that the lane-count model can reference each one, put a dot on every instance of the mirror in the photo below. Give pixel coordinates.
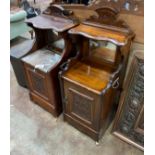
(55, 42)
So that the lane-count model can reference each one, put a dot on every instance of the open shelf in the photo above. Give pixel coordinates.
(89, 75)
(102, 52)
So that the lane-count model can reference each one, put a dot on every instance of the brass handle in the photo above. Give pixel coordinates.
(115, 84)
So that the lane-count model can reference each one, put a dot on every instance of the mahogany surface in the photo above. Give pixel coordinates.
(100, 34)
(59, 24)
(87, 75)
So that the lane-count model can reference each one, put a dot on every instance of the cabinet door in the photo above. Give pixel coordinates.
(82, 105)
(129, 122)
(37, 83)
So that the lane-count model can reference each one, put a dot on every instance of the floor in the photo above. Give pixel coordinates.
(36, 132)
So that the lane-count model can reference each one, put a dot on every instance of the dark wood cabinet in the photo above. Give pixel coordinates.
(20, 47)
(129, 122)
(91, 81)
(52, 47)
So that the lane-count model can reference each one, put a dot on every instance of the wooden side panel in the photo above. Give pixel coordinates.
(129, 122)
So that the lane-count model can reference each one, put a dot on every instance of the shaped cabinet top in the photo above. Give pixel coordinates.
(105, 27)
(58, 24)
(100, 33)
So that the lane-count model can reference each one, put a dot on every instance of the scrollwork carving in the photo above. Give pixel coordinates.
(38, 83)
(81, 105)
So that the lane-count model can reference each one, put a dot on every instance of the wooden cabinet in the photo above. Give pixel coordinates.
(129, 122)
(86, 110)
(52, 47)
(91, 81)
(20, 47)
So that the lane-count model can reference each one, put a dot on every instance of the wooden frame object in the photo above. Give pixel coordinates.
(89, 88)
(129, 120)
(135, 7)
(42, 65)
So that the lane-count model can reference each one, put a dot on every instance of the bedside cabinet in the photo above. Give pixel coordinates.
(52, 48)
(90, 82)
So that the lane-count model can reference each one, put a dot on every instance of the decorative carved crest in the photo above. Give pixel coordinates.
(107, 12)
(108, 18)
(57, 10)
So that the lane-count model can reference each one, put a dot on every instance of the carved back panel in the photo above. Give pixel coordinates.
(108, 18)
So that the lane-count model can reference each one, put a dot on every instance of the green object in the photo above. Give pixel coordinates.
(17, 24)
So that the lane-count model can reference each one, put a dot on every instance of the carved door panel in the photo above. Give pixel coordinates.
(37, 82)
(129, 122)
(81, 106)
